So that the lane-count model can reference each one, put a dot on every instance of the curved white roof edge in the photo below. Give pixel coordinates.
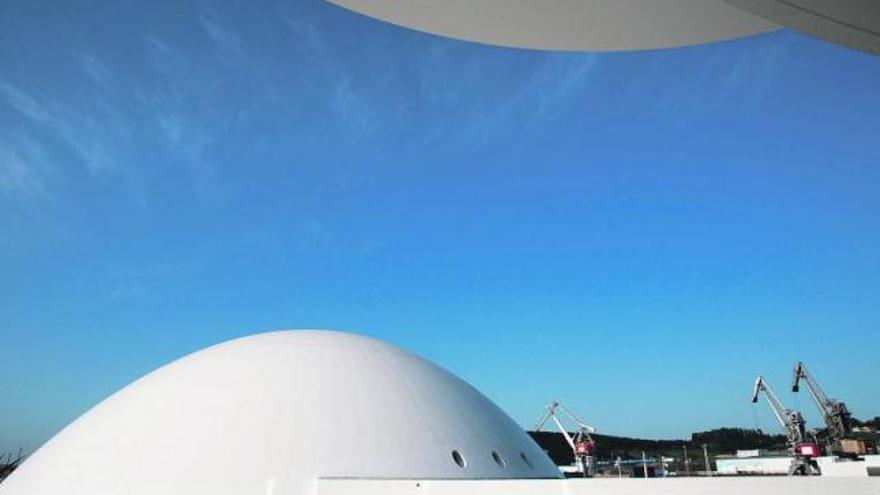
(276, 412)
(583, 25)
(609, 25)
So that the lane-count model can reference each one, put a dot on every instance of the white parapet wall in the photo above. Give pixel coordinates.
(830, 466)
(753, 465)
(624, 486)
(836, 466)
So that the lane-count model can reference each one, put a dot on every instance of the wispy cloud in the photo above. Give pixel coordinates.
(553, 86)
(183, 137)
(44, 130)
(136, 280)
(719, 80)
(190, 141)
(353, 110)
(306, 34)
(348, 98)
(20, 177)
(25, 104)
(227, 41)
(95, 139)
(180, 110)
(757, 69)
(95, 69)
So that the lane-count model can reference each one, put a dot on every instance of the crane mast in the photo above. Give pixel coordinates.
(837, 417)
(791, 421)
(803, 451)
(582, 444)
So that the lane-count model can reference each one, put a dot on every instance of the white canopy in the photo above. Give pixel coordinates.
(600, 25)
(592, 25)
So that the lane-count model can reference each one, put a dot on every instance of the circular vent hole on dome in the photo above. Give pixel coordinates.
(459, 459)
(526, 460)
(498, 460)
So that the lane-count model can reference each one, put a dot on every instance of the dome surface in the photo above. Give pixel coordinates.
(271, 413)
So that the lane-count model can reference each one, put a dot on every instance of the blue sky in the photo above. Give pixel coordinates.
(637, 234)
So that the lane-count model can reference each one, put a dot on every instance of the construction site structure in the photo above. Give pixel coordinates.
(582, 443)
(803, 450)
(837, 418)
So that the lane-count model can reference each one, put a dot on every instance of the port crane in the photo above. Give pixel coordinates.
(838, 420)
(804, 451)
(582, 444)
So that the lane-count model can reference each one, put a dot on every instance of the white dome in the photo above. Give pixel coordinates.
(272, 413)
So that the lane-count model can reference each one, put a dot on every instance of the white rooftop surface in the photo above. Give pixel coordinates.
(761, 485)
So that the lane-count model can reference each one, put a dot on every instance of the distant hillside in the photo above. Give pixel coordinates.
(729, 440)
(873, 424)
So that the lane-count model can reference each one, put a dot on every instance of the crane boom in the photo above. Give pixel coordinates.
(565, 432)
(803, 451)
(581, 424)
(837, 417)
(550, 412)
(783, 415)
(581, 444)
